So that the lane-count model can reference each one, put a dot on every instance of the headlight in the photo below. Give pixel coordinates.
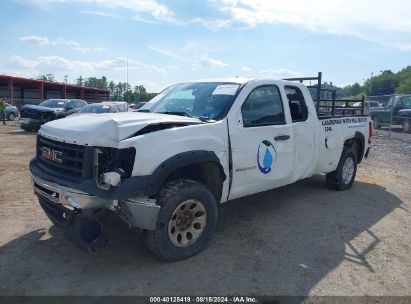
(111, 165)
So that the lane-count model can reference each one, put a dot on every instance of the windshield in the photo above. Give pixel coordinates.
(53, 103)
(204, 99)
(96, 109)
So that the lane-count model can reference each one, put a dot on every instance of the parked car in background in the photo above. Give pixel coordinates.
(11, 112)
(368, 106)
(374, 104)
(33, 116)
(382, 116)
(104, 107)
(135, 106)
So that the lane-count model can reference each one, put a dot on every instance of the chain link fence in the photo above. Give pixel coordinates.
(393, 113)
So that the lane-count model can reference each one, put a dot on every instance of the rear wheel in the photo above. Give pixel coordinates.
(406, 125)
(187, 219)
(343, 177)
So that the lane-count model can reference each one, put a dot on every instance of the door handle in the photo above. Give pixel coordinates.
(282, 137)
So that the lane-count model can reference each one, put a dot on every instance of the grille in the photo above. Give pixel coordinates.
(29, 114)
(64, 160)
(43, 116)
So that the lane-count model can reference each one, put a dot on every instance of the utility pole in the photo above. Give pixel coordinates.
(127, 78)
(369, 93)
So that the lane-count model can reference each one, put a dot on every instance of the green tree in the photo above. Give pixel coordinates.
(404, 87)
(112, 87)
(119, 92)
(352, 90)
(47, 77)
(95, 82)
(404, 78)
(383, 84)
(80, 81)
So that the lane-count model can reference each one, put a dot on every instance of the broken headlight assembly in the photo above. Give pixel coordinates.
(111, 165)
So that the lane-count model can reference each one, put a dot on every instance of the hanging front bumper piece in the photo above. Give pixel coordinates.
(73, 211)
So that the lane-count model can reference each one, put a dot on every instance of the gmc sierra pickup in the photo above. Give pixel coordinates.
(197, 144)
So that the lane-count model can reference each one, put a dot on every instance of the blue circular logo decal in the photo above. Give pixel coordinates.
(266, 156)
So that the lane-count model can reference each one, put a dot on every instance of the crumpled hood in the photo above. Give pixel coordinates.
(106, 130)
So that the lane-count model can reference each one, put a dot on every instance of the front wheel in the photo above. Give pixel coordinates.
(406, 125)
(343, 177)
(187, 219)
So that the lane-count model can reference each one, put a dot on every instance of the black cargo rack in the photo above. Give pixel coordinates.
(331, 107)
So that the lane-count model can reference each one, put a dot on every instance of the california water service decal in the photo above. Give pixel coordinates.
(266, 156)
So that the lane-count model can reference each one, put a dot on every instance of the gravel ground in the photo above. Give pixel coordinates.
(302, 239)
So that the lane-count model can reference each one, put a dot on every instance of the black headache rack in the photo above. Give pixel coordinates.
(331, 107)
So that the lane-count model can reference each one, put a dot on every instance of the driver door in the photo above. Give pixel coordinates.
(261, 140)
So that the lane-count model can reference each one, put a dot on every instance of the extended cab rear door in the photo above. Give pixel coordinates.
(261, 139)
(304, 126)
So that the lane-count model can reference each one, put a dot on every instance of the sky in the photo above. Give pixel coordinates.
(166, 42)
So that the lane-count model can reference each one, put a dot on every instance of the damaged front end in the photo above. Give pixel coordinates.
(86, 232)
(111, 165)
(73, 183)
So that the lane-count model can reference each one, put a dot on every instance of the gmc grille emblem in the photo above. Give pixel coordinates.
(51, 154)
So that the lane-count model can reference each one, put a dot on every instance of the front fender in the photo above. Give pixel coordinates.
(175, 162)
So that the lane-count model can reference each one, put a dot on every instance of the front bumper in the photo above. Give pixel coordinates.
(130, 187)
(68, 196)
(85, 232)
(29, 123)
(136, 212)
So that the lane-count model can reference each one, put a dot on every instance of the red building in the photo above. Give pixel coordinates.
(20, 91)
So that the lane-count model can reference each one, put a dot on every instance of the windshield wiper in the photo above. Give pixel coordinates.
(176, 113)
(144, 110)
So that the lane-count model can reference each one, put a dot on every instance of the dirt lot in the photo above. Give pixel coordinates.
(301, 239)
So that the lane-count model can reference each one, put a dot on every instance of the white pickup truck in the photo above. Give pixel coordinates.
(194, 146)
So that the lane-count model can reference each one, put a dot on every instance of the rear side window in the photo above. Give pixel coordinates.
(263, 107)
(296, 102)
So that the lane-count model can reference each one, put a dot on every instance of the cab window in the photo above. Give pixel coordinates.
(406, 101)
(296, 102)
(263, 107)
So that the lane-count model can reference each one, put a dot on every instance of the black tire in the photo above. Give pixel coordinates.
(406, 125)
(11, 116)
(335, 180)
(171, 196)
